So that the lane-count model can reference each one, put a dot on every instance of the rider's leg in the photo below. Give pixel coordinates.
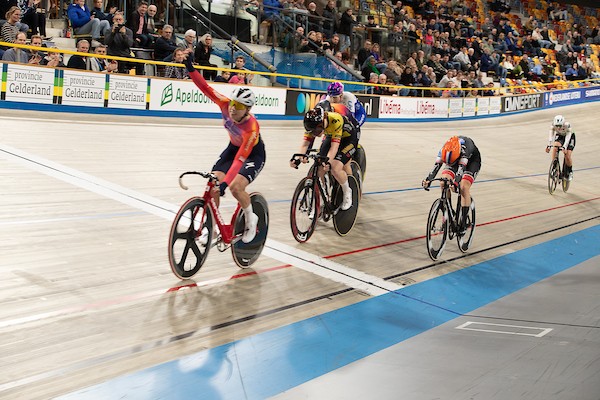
(568, 162)
(215, 194)
(448, 174)
(238, 190)
(465, 199)
(337, 169)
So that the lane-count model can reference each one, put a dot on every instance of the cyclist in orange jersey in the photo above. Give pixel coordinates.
(244, 157)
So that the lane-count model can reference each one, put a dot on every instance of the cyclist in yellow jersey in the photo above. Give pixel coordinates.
(339, 145)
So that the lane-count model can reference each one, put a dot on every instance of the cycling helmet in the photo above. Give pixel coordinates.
(243, 95)
(335, 89)
(559, 121)
(451, 150)
(313, 119)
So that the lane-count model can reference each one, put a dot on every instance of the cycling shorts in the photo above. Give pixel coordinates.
(561, 139)
(252, 166)
(345, 151)
(470, 171)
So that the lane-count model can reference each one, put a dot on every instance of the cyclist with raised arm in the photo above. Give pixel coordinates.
(561, 133)
(339, 144)
(463, 162)
(337, 95)
(244, 157)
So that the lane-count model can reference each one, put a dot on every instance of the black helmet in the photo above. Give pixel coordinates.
(313, 119)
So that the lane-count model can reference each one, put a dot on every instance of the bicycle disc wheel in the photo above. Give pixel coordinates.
(361, 158)
(344, 220)
(464, 240)
(245, 254)
(190, 238)
(553, 176)
(437, 230)
(304, 211)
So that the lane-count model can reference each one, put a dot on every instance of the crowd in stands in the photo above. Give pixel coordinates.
(430, 47)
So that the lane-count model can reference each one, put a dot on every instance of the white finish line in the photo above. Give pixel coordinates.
(509, 329)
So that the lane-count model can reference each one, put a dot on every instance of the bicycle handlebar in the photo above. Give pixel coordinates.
(318, 158)
(445, 180)
(208, 175)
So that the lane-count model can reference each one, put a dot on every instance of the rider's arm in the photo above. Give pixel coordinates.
(250, 138)
(216, 97)
(550, 137)
(433, 173)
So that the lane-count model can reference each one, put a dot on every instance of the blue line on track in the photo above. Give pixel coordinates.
(271, 362)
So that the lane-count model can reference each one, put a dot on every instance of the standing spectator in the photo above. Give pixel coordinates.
(376, 36)
(394, 42)
(270, 17)
(33, 16)
(165, 45)
(119, 41)
(314, 19)
(173, 71)
(240, 9)
(83, 22)
(16, 54)
(77, 61)
(99, 13)
(346, 28)
(202, 56)
(102, 64)
(330, 16)
(139, 26)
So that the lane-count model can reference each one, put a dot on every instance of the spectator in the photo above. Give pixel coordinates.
(165, 45)
(12, 25)
(189, 41)
(202, 56)
(33, 16)
(224, 77)
(489, 89)
(345, 29)
(83, 22)
(334, 44)
(78, 61)
(16, 54)
(36, 56)
(330, 16)
(151, 22)
(572, 73)
(463, 59)
(240, 63)
(102, 64)
(174, 71)
(394, 42)
(376, 36)
(119, 41)
(241, 10)
(99, 13)
(500, 6)
(408, 78)
(314, 19)
(369, 67)
(364, 52)
(238, 79)
(138, 24)
(53, 59)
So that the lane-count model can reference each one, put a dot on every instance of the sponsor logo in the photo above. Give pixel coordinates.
(564, 96)
(308, 101)
(520, 103)
(592, 93)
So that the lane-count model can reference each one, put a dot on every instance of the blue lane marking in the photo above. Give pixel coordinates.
(272, 362)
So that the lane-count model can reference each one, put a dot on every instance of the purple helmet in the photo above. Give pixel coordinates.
(335, 89)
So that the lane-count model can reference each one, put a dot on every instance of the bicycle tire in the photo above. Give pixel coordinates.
(565, 180)
(187, 252)
(344, 220)
(360, 156)
(464, 241)
(246, 254)
(357, 173)
(304, 211)
(553, 176)
(436, 234)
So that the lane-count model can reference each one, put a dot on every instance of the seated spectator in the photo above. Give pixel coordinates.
(240, 63)
(13, 25)
(119, 41)
(83, 22)
(189, 41)
(165, 45)
(373, 79)
(572, 73)
(33, 16)
(78, 61)
(382, 90)
(36, 56)
(15, 54)
(224, 77)
(177, 72)
(53, 59)
(139, 26)
(369, 67)
(463, 59)
(102, 64)
(489, 89)
(393, 72)
(151, 22)
(98, 12)
(408, 78)
(238, 79)
(532, 47)
(202, 56)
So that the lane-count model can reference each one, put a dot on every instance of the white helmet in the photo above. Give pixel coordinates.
(243, 95)
(559, 121)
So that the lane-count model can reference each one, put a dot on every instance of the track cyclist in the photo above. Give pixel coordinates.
(337, 95)
(463, 162)
(244, 157)
(339, 145)
(561, 133)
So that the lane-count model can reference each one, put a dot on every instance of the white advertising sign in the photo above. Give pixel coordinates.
(29, 84)
(184, 95)
(495, 104)
(456, 106)
(411, 107)
(82, 88)
(469, 104)
(127, 91)
(483, 106)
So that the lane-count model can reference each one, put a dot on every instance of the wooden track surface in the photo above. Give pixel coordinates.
(87, 202)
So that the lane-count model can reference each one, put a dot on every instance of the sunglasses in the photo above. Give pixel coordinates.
(236, 105)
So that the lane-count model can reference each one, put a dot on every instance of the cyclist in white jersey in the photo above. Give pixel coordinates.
(336, 94)
(561, 134)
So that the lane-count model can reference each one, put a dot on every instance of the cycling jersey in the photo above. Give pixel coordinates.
(244, 136)
(467, 165)
(340, 109)
(354, 105)
(339, 129)
(564, 134)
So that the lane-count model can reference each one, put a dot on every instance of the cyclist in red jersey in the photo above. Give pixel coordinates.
(244, 157)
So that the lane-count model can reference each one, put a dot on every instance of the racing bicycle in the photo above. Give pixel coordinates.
(443, 222)
(555, 173)
(321, 198)
(199, 218)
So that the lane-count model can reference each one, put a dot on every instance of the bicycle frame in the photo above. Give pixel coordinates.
(226, 230)
(454, 212)
(326, 193)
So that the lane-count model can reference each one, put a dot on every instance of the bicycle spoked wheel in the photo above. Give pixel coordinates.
(245, 254)
(465, 240)
(190, 238)
(553, 176)
(344, 220)
(304, 211)
(437, 230)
